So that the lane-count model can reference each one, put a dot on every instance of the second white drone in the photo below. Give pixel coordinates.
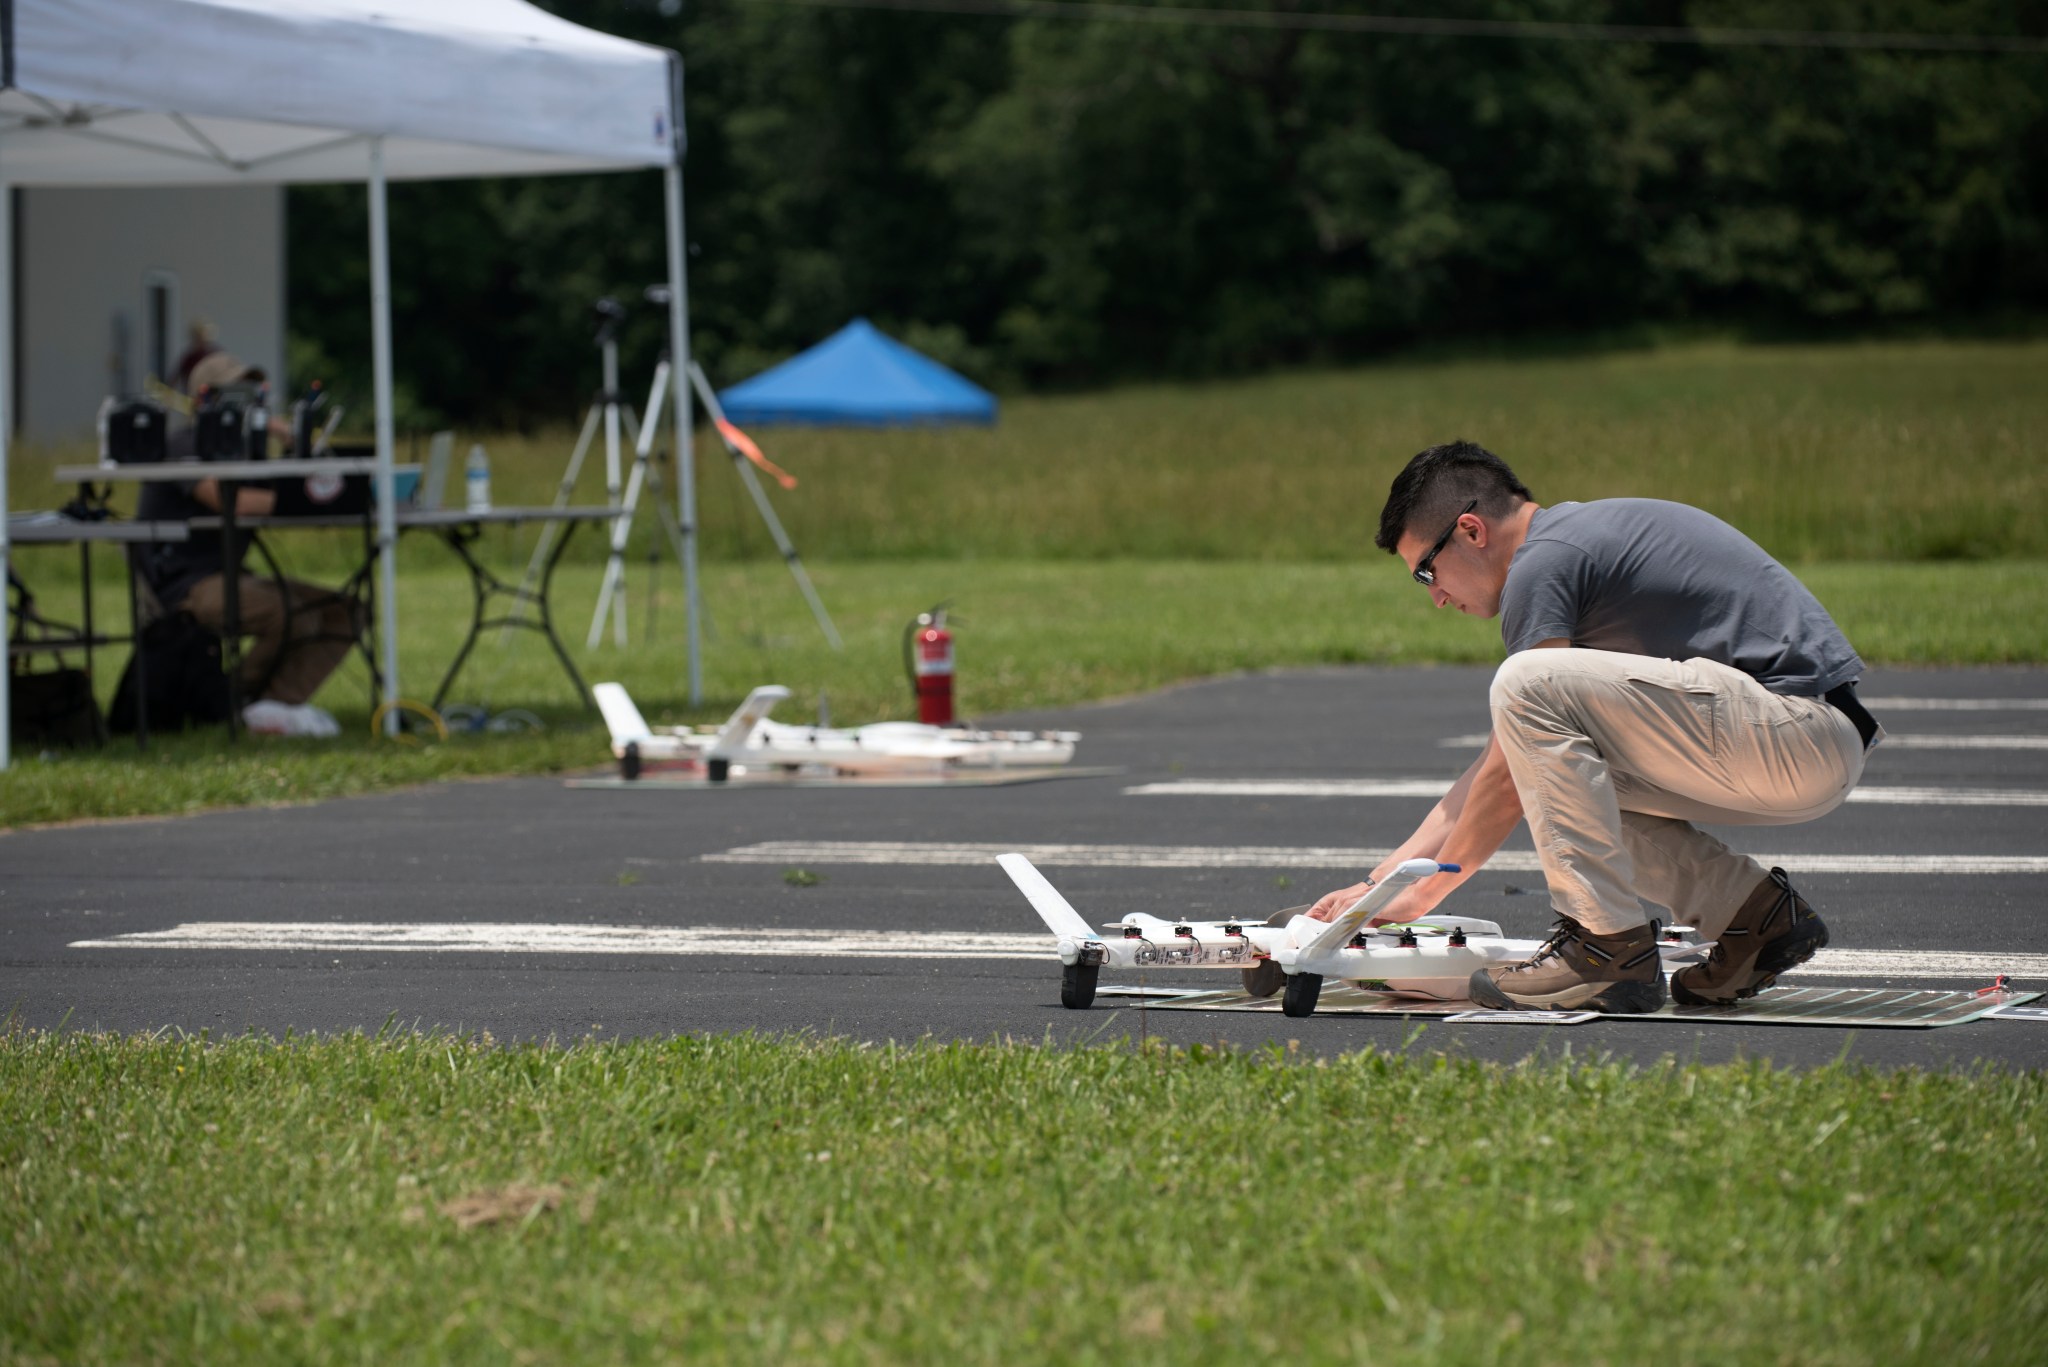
(749, 741)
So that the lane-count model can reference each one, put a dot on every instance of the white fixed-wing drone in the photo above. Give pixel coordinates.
(1433, 958)
(750, 743)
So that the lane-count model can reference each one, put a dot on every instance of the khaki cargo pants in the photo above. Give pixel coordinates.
(1615, 756)
(302, 632)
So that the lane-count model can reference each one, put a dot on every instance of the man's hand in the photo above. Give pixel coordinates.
(1335, 904)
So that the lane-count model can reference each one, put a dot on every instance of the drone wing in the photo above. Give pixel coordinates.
(739, 728)
(1340, 930)
(1057, 913)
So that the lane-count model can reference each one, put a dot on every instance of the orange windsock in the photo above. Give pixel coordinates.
(740, 443)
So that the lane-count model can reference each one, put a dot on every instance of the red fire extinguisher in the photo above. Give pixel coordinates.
(928, 648)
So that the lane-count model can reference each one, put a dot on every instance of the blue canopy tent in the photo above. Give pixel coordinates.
(858, 377)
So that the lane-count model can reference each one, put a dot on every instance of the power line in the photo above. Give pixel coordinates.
(1400, 26)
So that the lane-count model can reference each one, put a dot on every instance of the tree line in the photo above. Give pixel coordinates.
(1042, 200)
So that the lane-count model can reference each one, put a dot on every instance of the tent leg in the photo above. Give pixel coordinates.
(686, 456)
(380, 367)
(612, 495)
(6, 439)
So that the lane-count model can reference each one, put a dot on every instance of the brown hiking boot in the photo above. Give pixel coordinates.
(1774, 931)
(1579, 971)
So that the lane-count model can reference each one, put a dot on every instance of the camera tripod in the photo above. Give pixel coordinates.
(609, 408)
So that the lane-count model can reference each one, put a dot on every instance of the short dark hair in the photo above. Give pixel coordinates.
(1431, 488)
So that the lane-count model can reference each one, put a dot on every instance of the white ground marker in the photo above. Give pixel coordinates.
(935, 853)
(1958, 704)
(460, 937)
(1437, 787)
(1892, 741)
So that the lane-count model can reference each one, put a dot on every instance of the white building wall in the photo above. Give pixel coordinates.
(88, 259)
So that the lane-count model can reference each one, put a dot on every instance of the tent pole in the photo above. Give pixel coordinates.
(380, 370)
(686, 456)
(6, 439)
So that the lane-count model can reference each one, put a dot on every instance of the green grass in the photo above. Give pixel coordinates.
(425, 1198)
(1862, 452)
(1875, 451)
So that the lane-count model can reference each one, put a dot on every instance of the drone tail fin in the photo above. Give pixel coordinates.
(621, 717)
(1057, 913)
(739, 728)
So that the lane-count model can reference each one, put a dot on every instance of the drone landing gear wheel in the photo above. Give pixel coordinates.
(629, 762)
(1265, 979)
(1302, 991)
(1077, 985)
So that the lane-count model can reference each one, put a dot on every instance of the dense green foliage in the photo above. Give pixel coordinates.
(752, 1200)
(1049, 200)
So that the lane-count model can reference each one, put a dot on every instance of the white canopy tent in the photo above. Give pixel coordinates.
(229, 92)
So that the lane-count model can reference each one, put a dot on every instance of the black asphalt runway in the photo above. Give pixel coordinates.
(535, 852)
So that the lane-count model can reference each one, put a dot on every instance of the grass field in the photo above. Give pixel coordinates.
(744, 1200)
(1851, 452)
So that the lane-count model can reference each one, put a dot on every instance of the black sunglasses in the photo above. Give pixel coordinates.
(1425, 568)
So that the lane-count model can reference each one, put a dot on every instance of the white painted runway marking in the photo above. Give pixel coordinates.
(935, 853)
(1979, 965)
(1436, 787)
(329, 937)
(1958, 704)
(1892, 741)
(1294, 787)
(1952, 797)
(457, 937)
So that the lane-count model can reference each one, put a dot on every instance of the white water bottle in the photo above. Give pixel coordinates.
(477, 479)
(106, 412)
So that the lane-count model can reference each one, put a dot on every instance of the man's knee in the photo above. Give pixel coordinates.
(1521, 675)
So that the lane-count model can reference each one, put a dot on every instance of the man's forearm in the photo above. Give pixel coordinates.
(1488, 810)
(1428, 839)
(1443, 818)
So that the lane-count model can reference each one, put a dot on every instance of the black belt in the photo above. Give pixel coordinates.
(1843, 700)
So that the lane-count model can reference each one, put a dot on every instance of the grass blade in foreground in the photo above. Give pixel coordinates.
(749, 1199)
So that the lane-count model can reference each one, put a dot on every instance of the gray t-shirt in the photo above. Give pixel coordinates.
(1646, 577)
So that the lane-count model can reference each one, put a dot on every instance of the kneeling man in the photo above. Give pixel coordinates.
(1662, 670)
